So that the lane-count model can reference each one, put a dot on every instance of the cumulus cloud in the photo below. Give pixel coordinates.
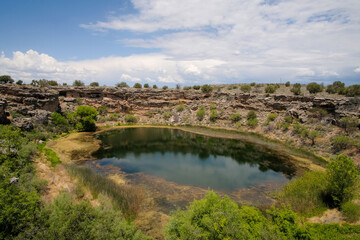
(218, 41)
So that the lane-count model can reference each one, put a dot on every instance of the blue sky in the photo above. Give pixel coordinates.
(181, 42)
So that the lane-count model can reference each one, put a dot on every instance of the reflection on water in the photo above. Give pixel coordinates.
(192, 159)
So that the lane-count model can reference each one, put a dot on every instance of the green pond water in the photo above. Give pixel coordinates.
(192, 159)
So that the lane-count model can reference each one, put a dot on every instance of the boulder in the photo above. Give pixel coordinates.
(39, 116)
(3, 117)
(24, 124)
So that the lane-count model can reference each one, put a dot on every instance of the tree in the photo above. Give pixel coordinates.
(271, 88)
(146, 85)
(196, 87)
(337, 87)
(314, 88)
(296, 89)
(154, 86)
(312, 135)
(19, 82)
(349, 124)
(122, 85)
(137, 85)
(287, 84)
(6, 79)
(353, 91)
(94, 84)
(78, 83)
(165, 87)
(206, 88)
(342, 178)
(86, 116)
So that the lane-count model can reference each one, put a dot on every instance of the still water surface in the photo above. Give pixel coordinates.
(192, 159)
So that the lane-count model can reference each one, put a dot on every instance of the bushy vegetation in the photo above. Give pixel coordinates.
(167, 115)
(220, 218)
(51, 157)
(235, 117)
(353, 91)
(85, 116)
(154, 86)
(146, 85)
(196, 87)
(271, 88)
(165, 87)
(252, 119)
(207, 88)
(351, 211)
(180, 107)
(122, 85)
(6, 79)
(94, 84)
(337, 87)
(245, 88)
(314, 88)
(296, 89)
(78, 83)
(200, 114)
(131, 119)
(349, 124)
(137, 85)
(287, 84)
(213, 115)
(341, 143)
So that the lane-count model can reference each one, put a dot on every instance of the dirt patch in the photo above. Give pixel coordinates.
(75, 147)
(329, 216)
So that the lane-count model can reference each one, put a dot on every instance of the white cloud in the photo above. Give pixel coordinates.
(357, 70)
(217, 42)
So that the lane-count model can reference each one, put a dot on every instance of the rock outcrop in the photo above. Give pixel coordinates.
(3, 116)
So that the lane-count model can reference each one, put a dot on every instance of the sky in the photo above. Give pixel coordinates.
(187, 42)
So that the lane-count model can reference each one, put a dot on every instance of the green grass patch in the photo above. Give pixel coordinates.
(51, 157)
(351, 211)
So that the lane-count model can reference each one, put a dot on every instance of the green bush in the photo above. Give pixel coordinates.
(342, 178)
(349, 124)
(196, 87)
(212, 106)
(19, 82)
(94, 84)
(271, 88)
(305, 194)
(235, 117)
(51, 157)
(318, 112)
(337, 87)
(186, 88)
(296, 89)
(6, 79)
(314, 88)
(102, 110)
(137, 85)
(271, 117)
(78, 83)
(213, 115)
(251, 115)
(353, 91)
(252, 122)
(341, 143)
(312, 135)
(86, 116)
(131, 119)
(165, 87)
(146, 85)
(206, 88)
(351, 211)
(200, 114)
(167, 115)
(252, 84)
(122, 85)
(180, 108)
(154, 86)
(245, 88)
(288, 119)
(287, 84)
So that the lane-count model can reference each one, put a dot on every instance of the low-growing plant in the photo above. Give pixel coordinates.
(196, 87)
(200, 114)
(341, 143)
(212, 106)
(314, 88)
(180, 108)
(137, 85)
(131, 119)
(122, 85)
(165, 87)
(271, 88)
(146, 85)
(349, 124)
(235, 117)
(245, 88)
(251, 115)
(287, 84)
(213, 115)
(351, 211)
(167, 115)
(296, 89)
(206, 88)
(51, 157)
(252, 122)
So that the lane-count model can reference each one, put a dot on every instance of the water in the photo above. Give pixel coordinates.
(191, 159)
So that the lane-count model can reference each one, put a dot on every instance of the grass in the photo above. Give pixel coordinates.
(51, 157)
(351, 211)
(306, 193)
(126, 198)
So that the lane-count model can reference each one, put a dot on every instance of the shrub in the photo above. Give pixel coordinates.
(288, 119)
(131, 119)
(137, 85)
(212, 106)
(349, 124)
(165, 87)
(201, 113)
(312, 135)
(61, 123)
(318, 112)
(270, 88)
(213, 115)
(103, 110)
(287, 84)
(19, 82)
(122, 85)
(342, 178)
(251, 115)
(235, 117)
(253, 122)
(252, 84)
(94, 84)
(6, 79)
(86, 116)
(271, 117)
(341, 143)
(245, 88)
(206, 88)
(146, 85)
(216, 218)
(296, 89)
(167, 115)
(186, 88)
(78, 83)
(196, 87)
(314, 88)
(337, 87)
(51, 157)
(305, 194)
(351, 211)
(177, 86)
(154, 86)
(353, 91)
(180, 108)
